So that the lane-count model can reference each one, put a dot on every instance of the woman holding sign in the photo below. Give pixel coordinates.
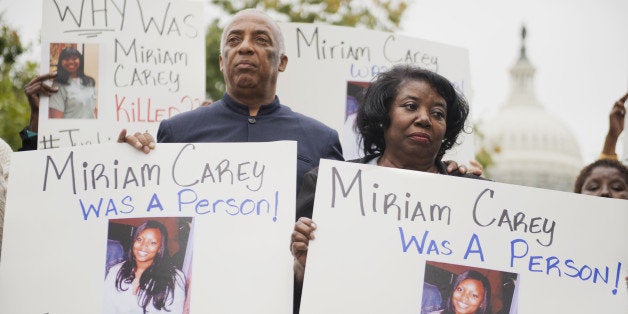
(146, 282)
(76, 96)
(607, 177)
(409, 119)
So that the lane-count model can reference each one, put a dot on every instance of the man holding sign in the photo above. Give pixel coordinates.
(252, 55)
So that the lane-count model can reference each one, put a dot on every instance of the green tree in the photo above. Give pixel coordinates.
(384, 15)
(14, 109)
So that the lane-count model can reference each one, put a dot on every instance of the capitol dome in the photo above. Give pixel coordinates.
(528, 145)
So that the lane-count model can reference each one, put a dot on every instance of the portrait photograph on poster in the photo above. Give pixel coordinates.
(148, 265)
(451, 288)
(76, 66)
(349, 135)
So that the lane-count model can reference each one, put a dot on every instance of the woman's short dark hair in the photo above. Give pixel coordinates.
(157, 282)
(373, 119)
(63, 76)
(472, 274)
(586, 171)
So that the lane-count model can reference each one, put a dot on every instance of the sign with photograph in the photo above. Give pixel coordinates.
(118, 64)
(399, 241)
(330, 66)
(188, 228)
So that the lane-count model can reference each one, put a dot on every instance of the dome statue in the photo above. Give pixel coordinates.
(528, 145)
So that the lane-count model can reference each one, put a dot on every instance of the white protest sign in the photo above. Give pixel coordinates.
(142, 61)
(66, 205)
(329, 65)
(383, 234)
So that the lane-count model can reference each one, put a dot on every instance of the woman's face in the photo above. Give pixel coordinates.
(468, 296)
(71, 64)
(146, 245)
(605, 182)
(417, 121)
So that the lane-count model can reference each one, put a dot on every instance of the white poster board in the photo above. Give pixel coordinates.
(327, 64)
(146, 59)
(238, 206)
(378, 229)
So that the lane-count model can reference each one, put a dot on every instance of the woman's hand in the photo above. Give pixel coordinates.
(616, 120)
(616, 117)
(475, 168)
(141, 141)
(303, 232)
(33, 90)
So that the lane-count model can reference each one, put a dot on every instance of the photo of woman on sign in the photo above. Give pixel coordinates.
(471, 294)
(147, 281)
(460, 289)
(76, 96)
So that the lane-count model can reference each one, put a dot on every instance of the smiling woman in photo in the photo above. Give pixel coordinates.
(471, 294)
(76, 98)
(146, 282)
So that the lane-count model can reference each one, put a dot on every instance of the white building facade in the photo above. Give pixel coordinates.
(528, 145)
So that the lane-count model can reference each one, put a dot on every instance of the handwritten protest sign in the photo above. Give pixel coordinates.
(330, 65)
(385, 236)
(139, 62)
(228, 212)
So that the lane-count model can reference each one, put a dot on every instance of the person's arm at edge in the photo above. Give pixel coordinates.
(33, 90)
(305, 205)
(29, 140)
(616, 121)
(303, 232)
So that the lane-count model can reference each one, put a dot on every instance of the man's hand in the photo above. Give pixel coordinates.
(141, 141)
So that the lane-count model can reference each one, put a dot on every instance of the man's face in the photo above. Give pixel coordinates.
(251, 59)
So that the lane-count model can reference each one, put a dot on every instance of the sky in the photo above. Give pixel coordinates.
(579, 49)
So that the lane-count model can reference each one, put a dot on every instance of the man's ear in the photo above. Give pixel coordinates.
(220, 62)
(283, 63)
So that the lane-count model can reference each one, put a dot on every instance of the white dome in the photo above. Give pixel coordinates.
(528, 145)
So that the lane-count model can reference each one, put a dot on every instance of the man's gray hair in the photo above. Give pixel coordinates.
(278, 36)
